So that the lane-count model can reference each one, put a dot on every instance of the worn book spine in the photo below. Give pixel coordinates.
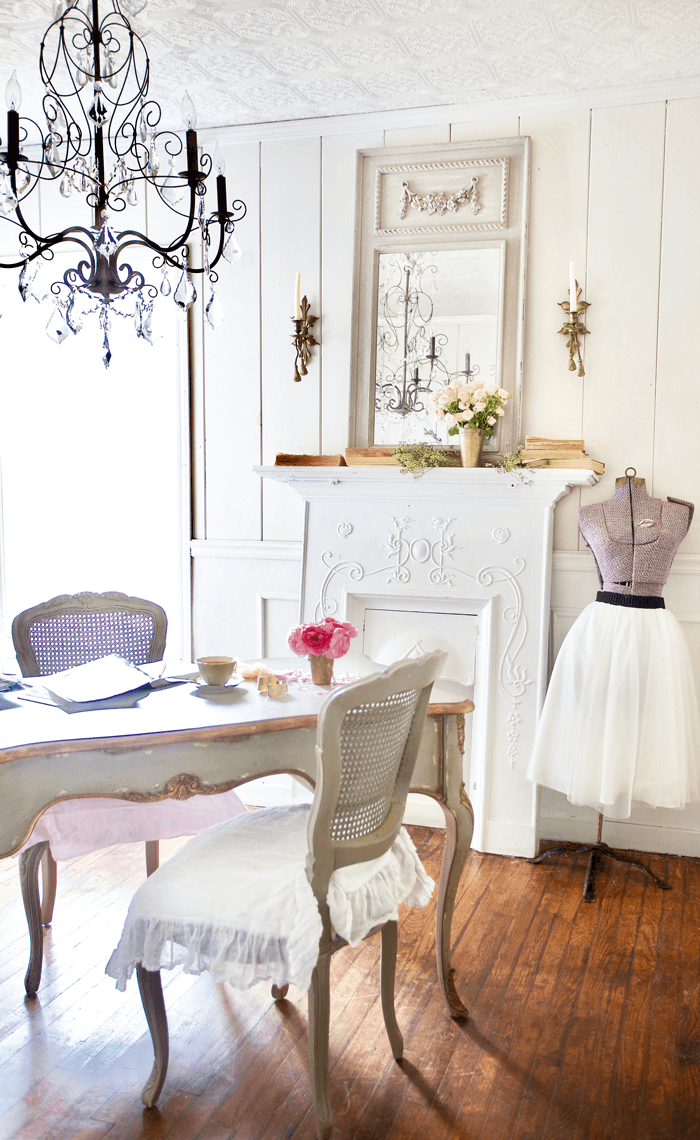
(282, 459)
(543, 441)
(593, 464)
(553, 453)
(370, 456)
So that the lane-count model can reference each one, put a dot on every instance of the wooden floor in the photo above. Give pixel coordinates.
(585, 1020)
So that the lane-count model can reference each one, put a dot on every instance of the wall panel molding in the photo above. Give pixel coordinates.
(246, 548)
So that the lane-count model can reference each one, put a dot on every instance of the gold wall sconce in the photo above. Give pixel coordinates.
(302, 337)
(574, 327)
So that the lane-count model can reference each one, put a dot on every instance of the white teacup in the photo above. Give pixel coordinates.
(216, 670)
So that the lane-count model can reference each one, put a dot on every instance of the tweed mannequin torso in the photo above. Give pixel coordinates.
(634, 538)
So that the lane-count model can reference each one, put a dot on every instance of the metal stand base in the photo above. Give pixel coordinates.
(598, 852)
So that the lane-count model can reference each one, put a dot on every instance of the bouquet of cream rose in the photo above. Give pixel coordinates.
(327, 638)
(474, 405)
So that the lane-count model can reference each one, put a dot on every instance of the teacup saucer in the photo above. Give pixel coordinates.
(204, 690)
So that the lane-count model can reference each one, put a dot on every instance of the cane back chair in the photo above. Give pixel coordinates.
(66, 631)
(367, 742)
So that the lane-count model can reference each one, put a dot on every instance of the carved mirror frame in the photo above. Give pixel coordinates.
(425, 199)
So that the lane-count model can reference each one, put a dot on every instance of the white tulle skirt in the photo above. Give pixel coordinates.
(620, 721)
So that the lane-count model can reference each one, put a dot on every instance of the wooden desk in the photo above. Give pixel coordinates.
(177, 745)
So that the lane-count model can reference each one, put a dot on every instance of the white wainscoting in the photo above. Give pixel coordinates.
(574, 585)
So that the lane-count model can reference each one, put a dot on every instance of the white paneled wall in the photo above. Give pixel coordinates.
(615, 190)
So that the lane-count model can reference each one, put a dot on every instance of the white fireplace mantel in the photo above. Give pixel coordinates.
(458, 559)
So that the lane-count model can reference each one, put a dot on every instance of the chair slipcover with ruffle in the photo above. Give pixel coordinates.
(257, 917)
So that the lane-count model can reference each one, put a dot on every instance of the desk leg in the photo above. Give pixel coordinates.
(458, 834)
(29, 862)
(459, 827)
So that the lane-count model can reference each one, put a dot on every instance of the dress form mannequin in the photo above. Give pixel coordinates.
(620, 722)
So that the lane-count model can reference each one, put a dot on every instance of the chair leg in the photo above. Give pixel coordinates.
(151, 992)
(279, 992)
(389, 936)
(319, 1026)
(29, 862)
(49, 881)
(152, 856)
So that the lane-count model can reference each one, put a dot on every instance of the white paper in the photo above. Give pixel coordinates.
(107, 677)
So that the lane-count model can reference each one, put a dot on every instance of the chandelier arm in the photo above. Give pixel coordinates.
(222, 239)
(161, 252)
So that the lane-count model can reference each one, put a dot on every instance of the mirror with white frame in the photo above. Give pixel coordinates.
(439, 285)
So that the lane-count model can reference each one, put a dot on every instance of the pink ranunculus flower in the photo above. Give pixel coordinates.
(295, 642)
(340, 643)
(316, 638)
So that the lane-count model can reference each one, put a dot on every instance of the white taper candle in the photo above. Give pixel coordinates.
(573, 300)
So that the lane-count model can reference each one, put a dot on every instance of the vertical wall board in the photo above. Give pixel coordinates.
(677, 423)
(417, 136)
(486, 129)
(553, 396)
(339, 168)
(232, 365)
(624, 228)
(290, 228)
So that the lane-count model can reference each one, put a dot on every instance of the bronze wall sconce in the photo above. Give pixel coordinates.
(573, 329)
(303, 339)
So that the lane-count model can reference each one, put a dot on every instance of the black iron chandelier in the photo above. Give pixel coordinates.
(102, 140)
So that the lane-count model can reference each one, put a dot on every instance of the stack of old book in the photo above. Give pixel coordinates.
(542, 452)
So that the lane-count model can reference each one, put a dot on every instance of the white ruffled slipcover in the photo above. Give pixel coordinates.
(236, 901)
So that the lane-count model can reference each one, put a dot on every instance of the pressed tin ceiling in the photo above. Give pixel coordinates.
(245, 61)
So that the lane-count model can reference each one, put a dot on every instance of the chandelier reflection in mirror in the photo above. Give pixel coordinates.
(101, 140)
(436, 312)
(406, 344)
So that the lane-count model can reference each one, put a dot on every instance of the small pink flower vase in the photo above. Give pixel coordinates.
(321, 668)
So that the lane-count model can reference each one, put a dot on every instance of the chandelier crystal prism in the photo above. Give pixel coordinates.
(101, 140)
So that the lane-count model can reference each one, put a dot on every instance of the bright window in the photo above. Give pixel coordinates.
(94, 461)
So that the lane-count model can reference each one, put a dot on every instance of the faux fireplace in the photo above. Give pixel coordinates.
(459, 560)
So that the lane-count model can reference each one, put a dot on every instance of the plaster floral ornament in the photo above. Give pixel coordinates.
(471, 411)
(322, 642)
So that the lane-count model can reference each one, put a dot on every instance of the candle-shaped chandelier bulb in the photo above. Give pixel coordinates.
(189, 114)
(218, 160)
(13, 93)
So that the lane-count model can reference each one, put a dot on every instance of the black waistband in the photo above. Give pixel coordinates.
(634, 601)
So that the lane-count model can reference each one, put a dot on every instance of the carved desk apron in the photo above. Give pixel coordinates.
(173, 746)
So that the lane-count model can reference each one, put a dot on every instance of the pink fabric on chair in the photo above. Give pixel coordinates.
(76, 827)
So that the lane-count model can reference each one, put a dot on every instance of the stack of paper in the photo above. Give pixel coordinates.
(109, 682)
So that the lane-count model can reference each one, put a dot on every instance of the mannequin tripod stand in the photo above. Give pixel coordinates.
(598, 852)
